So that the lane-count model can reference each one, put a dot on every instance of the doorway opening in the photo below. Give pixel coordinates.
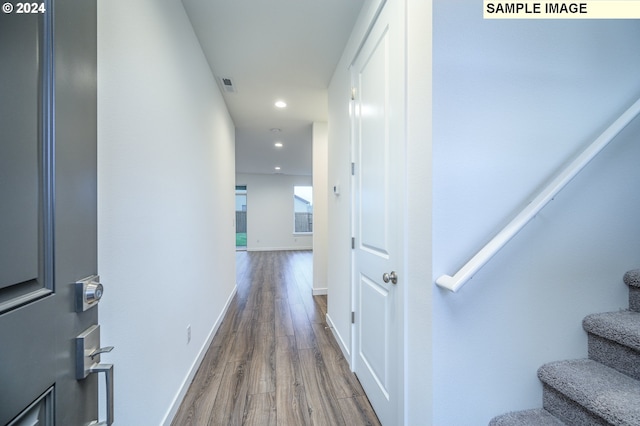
(241, 217)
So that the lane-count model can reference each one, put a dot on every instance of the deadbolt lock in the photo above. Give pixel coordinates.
(88, 293)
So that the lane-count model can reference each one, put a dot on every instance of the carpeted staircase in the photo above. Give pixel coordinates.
(601, 390)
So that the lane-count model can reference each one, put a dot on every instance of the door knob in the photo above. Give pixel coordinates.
(393, 277)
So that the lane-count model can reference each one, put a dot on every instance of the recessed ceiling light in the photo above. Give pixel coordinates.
(277, 167)
(278, 145)
(275, 130)
(281, 104)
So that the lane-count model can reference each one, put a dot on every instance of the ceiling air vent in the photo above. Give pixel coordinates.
(227, 84)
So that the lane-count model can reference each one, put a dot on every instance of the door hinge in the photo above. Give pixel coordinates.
(353, 93)
(353, 317)
(353, 169)
(353, 242)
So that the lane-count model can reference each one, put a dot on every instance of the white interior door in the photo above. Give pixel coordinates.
(378, 182)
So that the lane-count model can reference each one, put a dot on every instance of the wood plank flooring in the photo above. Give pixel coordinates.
(273, 362)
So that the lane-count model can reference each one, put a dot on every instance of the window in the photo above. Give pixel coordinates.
(303, 209)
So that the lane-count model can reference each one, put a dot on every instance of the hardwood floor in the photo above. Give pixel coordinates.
(273, 362)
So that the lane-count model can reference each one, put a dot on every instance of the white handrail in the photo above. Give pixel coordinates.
(455, 282)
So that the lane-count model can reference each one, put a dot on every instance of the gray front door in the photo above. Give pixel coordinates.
(47, 208)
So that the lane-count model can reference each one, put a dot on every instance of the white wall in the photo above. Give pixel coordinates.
(166, 203)
(321, 194)
(512, 102)
(270, 212)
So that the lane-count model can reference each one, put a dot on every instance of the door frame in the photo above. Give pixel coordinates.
(398, 18)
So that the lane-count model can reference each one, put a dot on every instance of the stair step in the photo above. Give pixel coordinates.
(622, 327)
(537, 417)
(614, 340)
(632, 279)
(585, 392)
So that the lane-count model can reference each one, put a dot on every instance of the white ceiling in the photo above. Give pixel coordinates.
(274, 49)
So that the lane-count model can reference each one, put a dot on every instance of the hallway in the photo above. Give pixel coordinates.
(273, 361)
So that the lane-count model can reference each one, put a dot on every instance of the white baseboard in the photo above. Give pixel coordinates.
(175, 404)
(296, 248)
(320, 291)
(345, 348)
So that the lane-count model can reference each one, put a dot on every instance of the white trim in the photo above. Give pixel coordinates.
(320, 291)
(296, 248)
(177, 400)
(340, 340)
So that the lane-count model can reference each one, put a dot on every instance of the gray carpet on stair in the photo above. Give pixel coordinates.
(634, 299)
(622, 327)
(537, 417)
(601, 390)
(614, 355)
(632, 278)
(568, 411)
